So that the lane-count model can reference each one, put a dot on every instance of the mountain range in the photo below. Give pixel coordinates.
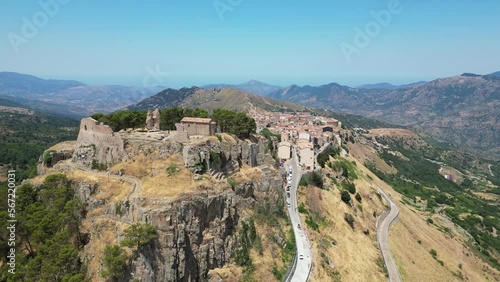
(389, 86)
(68, 97)
(213, 98)
(463, 109)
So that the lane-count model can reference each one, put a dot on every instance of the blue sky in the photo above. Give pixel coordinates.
(279, 42)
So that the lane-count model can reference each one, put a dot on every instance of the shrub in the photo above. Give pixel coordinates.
(358, 197)
(311, 223)
(433, 253)
(139, 234)
(171, 169)
(349, 219)
(302, 209)
(349, 187)
(322, 159)
(303, 181)
(344, 195)
(231, 183)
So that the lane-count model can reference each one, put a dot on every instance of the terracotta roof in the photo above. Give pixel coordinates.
(197, 120)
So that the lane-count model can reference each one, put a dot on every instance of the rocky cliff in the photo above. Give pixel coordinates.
(196, 215)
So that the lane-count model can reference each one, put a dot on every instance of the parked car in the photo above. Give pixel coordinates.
(289, 177)
(288, 188)
(288, 204)
(288, 194)
(301, 257)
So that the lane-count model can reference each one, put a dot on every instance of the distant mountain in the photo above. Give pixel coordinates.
(389, 86)
(252, 86)
(17, 83)
(210, 99)
(66, 97)
(495, 74)
(383, 85)
(463, 109)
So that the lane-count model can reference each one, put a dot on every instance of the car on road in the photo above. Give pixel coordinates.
(290, 169)
(301, 257)
(288, 188)
(289, 182)
(289, 177)
(288, 194)
(288, 204)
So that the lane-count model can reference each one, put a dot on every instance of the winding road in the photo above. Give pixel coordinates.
(388, 218)
(300, 271)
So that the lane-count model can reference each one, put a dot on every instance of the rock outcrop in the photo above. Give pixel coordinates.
(153, 120)
(197, 231)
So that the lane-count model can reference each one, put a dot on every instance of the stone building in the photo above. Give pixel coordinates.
(197, 126)
(98, 143)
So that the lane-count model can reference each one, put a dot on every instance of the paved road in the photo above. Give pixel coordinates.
(383, 237)
(303, 267)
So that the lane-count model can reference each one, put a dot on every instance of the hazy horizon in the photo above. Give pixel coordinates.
(179, 82)
(281, 43)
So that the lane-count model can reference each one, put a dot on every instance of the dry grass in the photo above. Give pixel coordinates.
(228, 273)
(272, 254)
(67, 145)
(354, 255)
(395, 132)
(248, 173)
(487, 196)
(413, 258)
(136, 167)
(366, 154)
(109, 189)
(103, 233)
(228, 138)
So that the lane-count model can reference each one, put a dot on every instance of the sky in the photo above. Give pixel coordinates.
(180, 43)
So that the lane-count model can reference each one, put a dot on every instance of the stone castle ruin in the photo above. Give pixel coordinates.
(153, 120)
(97, 144)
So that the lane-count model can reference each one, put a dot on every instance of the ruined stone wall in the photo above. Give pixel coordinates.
(98, 143)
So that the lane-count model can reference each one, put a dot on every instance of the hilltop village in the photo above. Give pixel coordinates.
(301, 131)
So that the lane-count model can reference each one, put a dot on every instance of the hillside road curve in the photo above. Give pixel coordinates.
(383, 236)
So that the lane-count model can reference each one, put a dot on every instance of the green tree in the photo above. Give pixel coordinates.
(322, 159)
(115, 263)
(139, 234)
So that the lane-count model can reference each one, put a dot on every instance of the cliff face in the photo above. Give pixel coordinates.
(195, 235)
(197, 226)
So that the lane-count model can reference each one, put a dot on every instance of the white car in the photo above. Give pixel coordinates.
(290, 169)
(288, 204)
(290, 177)
(301, 257)
(289, 182)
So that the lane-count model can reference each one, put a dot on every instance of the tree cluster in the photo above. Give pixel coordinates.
(236, 123)
(48, 232)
